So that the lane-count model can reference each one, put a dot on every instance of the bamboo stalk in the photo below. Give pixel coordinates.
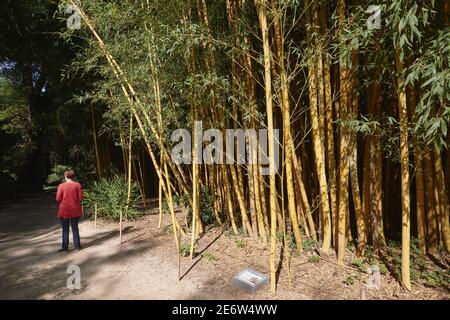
(443, 202)
(130, 155)
(317, 141)
(120, 226)
(279, 39)
(160, 201)
(404, 156)
(175, 224)
(94, 134)
(262, 16)
(432, 233)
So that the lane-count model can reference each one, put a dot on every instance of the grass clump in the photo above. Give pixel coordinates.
(111, 197)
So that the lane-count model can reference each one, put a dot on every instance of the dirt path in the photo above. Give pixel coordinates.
(31, 267)
(145, 266)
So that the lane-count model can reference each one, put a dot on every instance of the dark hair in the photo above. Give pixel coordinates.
(69, 174)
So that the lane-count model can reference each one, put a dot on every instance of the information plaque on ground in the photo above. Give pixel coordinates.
(249, 280)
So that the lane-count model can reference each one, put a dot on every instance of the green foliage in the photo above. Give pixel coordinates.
(359, 264)
(289, 238)
(404, 19)
(16, 129)
(38, 126)
(165, 206)
(424, 48)
(309, 244)
(229, 233)
(82, 160)
(350, 279)
(436, 279)
(383, 268)
(55, 177)
(206, 210)
(314, 259)
(240, 243)
(423, 270)
(185, 249)
(210, 257)
(177, 201)
(167, 229)
(110, 195)
(180, 200)
(365, 126)
(432, 115)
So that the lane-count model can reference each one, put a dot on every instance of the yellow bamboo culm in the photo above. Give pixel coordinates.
(404, 164)
(195, 206)
(130, 159)
(344, 149)
(317, 139)
(160, 203)
(443, 202)
(94, 133)
(262, 15)
(289, 151)
(176, 227)
(120, 227)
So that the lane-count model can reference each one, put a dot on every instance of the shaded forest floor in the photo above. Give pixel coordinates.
(145, 266)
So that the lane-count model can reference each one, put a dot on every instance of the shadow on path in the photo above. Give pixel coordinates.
(31, 267)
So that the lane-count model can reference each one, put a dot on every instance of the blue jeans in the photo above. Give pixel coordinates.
(73, 223)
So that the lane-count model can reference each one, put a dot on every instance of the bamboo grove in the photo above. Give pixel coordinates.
(363, 113)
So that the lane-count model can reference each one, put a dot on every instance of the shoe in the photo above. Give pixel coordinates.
(78, 248)
(63, 250)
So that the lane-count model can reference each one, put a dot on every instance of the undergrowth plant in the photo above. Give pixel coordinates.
(111, 197)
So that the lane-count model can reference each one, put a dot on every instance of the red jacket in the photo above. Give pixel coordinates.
(69, 196)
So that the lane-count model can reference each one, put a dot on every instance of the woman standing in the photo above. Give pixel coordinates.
(69, 197)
